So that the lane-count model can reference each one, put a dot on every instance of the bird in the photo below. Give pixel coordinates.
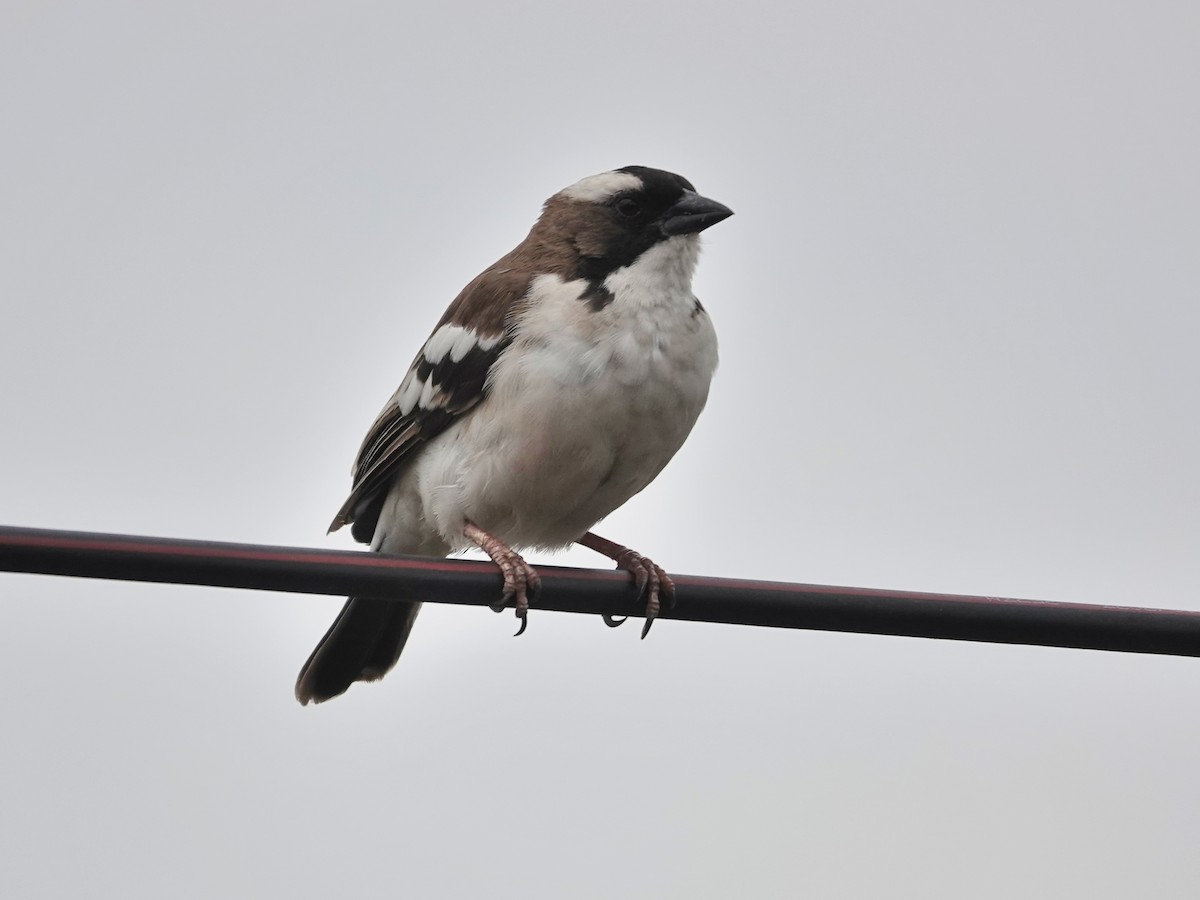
(556, 386)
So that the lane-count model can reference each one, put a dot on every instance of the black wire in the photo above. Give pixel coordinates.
(611, 593)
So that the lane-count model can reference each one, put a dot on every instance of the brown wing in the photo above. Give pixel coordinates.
(447, 379)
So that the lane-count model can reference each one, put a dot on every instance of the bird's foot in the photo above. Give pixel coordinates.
(652, 581)
(521, 580)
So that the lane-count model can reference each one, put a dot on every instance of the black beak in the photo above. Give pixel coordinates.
(692, 214)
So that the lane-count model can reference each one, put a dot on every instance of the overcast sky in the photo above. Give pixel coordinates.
(958, 311)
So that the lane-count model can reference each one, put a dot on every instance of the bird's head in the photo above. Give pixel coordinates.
(606, 222)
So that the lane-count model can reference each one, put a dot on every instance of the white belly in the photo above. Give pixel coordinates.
(572, 426)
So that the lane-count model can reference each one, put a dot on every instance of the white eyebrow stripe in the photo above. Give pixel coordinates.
(596, 188)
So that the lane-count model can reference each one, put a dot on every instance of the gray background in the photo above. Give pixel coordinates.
(958, 313)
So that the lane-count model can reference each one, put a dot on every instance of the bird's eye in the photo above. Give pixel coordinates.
(628, 207)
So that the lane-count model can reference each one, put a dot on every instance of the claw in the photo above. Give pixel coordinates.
(521, 581)
(613, 621)
(653, 583)
(640, 576)
(653, 608)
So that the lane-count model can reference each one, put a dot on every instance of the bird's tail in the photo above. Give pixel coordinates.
(362, 644)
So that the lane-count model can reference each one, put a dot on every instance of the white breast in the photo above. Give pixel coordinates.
(584, 408)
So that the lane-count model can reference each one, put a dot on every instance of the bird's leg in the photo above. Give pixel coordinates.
(520, 579)
(652, 580)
